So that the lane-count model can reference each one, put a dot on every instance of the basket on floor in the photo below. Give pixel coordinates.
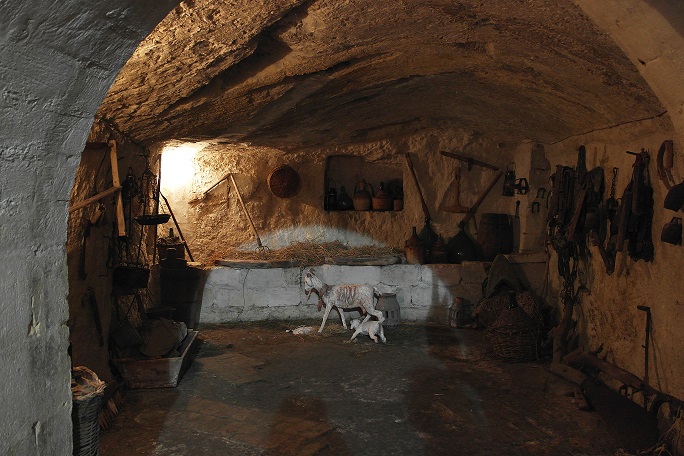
(514, 335)
(87, 393)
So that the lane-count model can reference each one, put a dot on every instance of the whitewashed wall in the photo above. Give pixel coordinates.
(57, 61)
(424, 292)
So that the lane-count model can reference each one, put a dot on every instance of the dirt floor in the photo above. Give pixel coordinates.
(255, 389)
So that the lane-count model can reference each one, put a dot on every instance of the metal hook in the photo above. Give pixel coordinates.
(536, 207)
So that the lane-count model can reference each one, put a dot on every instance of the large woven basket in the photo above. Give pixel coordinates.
(514, 335)
(87, 392)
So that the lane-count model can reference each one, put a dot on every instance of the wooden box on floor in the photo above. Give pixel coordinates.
(160, 372)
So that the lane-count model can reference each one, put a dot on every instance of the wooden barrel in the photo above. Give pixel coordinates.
(495, 235)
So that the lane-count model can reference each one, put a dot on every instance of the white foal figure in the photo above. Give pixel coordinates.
(372, 329)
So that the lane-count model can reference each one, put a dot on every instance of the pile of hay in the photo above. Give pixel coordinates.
(312, 254)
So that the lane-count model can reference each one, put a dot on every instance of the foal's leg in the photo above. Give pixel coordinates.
(382, 334)
(365, 319)
(356, 333)
(371, 334)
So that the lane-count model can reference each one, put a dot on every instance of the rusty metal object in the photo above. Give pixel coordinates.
(607, 257)
(671, 233)
(646, 309)
(664, 163)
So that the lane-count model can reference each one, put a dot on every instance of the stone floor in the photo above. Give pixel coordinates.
(255, 389)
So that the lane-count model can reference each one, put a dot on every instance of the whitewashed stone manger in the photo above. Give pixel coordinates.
(424, 292)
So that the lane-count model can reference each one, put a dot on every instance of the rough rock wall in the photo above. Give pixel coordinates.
(57, 60)
(651, 34)
(288, 73)
(608, 314)
(217, 221)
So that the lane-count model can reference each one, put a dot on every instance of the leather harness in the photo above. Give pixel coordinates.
(320, 294)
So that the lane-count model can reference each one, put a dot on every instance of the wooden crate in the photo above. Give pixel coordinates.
(160, 372)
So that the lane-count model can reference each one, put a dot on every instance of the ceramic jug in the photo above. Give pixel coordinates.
(362, 196)
(413, 249)
(382, 201)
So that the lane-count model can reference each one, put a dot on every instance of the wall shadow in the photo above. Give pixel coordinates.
(672, 11)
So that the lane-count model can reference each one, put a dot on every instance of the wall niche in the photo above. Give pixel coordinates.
(350, 175)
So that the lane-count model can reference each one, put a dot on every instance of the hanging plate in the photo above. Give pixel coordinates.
(284, 181)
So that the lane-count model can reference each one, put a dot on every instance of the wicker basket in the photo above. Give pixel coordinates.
(87, 394)
(514, 335)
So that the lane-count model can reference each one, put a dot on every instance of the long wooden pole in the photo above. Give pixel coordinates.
(469, 161)
(244, 208)
(94, 199)
(481, 198)
(120, 221)
(175, 222)
(420, 193)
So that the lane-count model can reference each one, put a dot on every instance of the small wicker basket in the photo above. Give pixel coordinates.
(87, 392)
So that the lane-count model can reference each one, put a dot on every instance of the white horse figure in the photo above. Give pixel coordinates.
(343, 297)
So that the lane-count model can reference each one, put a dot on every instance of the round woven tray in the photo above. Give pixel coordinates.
(284, 181)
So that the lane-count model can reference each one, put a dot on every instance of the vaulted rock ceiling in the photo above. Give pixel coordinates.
(293, 73)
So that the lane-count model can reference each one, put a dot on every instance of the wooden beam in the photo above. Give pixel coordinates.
(94, 199)
(469, 161)
(568, 373)
(120, 221)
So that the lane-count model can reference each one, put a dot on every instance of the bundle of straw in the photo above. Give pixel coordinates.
(313, 254)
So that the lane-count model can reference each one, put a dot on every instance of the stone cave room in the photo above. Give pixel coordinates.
(353, 227)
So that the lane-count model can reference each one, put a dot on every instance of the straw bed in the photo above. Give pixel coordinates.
(312, 254)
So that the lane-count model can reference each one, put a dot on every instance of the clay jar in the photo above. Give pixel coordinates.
(363, 197)
(413, 249)
(382, 201)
